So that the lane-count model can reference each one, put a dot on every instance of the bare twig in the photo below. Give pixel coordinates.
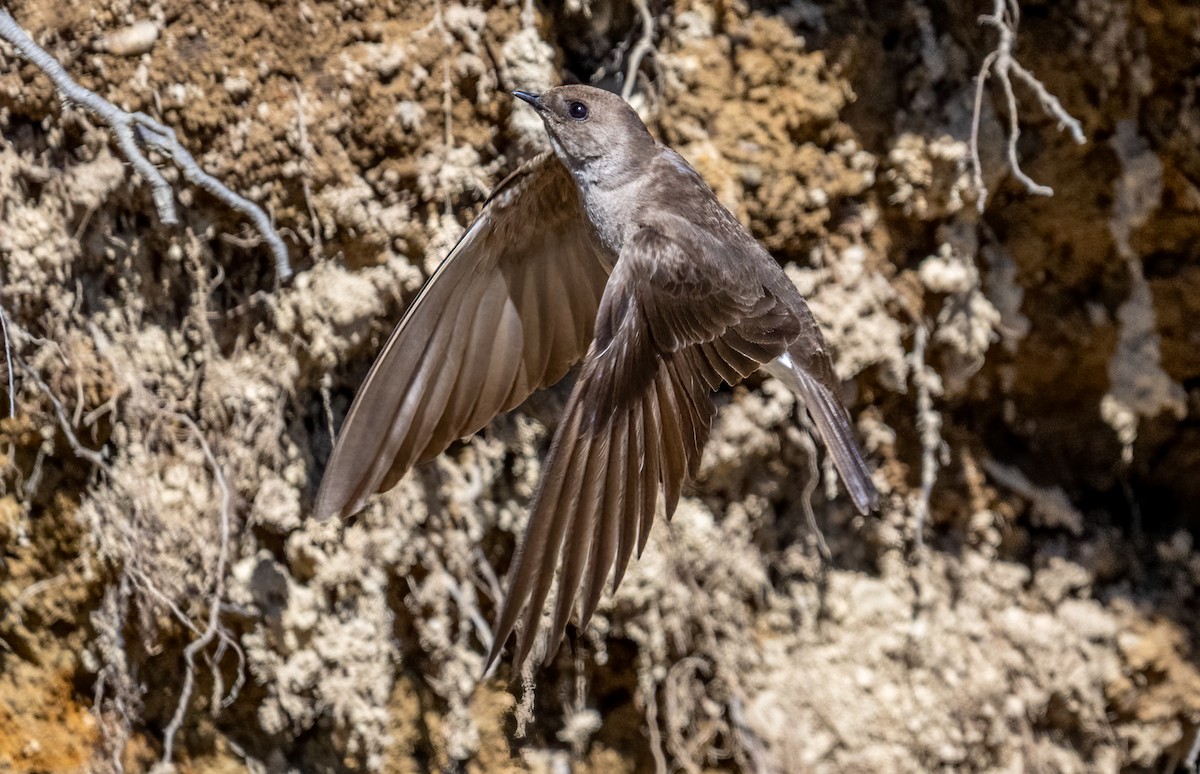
(132, 128)
(469, 608)
(649, 689)
(115, 726)
(32, 590)
(643, 46)
(1050, 505)
(143, 583)
(929, 425)
(235, 690)
(746, 737)
(810, 486)
(1193, 756)
(8, 362)
(214, 611)
(493, 590)
(327, 405)
(1005, 17)
(491, 583)
(679, 691)
(64, 422)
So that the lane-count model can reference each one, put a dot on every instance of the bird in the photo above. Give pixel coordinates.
(609, 249)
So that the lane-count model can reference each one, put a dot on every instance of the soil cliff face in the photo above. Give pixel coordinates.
(1026, 381)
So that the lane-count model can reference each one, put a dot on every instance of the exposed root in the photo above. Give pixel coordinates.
(130, 129)
(212, 631)
(8, 362)
(1005, 18)
(805, 437)
(929, 425)
(643, 46)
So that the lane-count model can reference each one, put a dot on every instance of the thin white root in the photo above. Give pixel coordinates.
(1005, 17)
(643, 46)
(130, 129)
(929, 425)
(213, 629)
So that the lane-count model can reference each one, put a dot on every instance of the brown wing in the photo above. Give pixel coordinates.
(667, 336)
(510, 310)
(816, 385)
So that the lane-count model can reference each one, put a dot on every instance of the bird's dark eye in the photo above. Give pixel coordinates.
(578, 111)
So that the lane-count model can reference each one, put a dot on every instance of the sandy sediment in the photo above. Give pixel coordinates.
(1035, 366)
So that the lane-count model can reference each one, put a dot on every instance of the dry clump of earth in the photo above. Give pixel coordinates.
(1026, 381)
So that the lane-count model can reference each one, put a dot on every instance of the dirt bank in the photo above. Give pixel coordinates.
(1035, 369)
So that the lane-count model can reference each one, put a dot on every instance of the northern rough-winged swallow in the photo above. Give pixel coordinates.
(612, 250)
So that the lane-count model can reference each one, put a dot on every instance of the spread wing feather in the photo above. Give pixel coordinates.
(509, 311)
(636, 423)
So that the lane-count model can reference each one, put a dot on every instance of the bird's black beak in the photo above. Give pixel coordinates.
(532, 99)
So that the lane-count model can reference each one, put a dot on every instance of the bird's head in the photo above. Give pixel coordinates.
(590, 127)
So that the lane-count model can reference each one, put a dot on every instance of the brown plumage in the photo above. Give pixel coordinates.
(692, 302)
(509, 311)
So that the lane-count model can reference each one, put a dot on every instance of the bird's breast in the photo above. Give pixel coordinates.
(613, 212)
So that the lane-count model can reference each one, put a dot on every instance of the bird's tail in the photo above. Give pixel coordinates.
(834, 427)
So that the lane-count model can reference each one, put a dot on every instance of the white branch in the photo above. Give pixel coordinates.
(132, 128)
(8, 362)
(1005, 17)
(643, 46)
(214, 610)
(64, 422)
(1193, 755)
(929, 426)
(805, 437)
